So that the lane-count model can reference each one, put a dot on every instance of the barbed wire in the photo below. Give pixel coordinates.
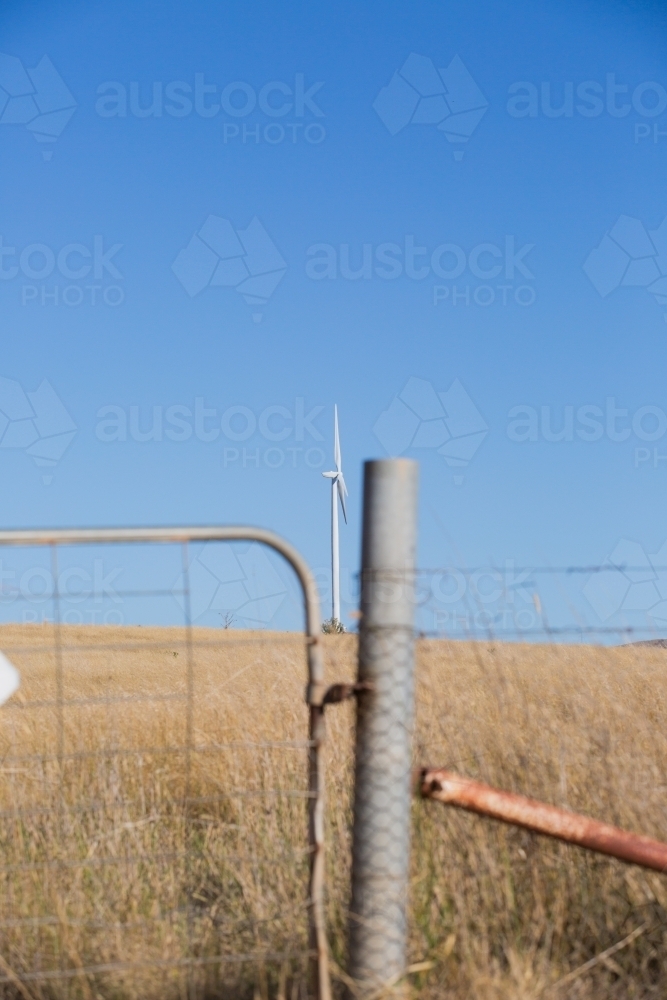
(569, 630)
(537, 569)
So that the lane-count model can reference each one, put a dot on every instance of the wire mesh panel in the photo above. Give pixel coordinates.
(155, 780)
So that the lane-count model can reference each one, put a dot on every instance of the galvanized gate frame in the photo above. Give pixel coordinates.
(315, 690)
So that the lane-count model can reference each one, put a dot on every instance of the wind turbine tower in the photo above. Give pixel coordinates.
(338, 493)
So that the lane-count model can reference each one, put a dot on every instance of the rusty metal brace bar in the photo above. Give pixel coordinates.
(315, 692)
(517, 810)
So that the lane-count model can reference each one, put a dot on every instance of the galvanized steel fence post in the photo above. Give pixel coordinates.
(381, 834)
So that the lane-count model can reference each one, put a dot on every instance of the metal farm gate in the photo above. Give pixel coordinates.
(160, 802)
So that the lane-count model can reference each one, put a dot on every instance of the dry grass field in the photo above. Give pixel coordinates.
(105, 867)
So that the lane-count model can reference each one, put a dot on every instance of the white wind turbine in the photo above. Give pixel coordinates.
(338, 492)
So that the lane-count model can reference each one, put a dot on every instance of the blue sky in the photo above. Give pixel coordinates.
(186, 111)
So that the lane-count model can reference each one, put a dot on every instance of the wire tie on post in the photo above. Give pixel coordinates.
(342, 692)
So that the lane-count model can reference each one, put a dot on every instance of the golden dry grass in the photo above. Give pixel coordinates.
(101, 862)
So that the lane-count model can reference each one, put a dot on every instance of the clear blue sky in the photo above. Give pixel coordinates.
(134, 161)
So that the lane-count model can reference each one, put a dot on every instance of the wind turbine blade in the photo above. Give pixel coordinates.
(342, 493)
(336, 440)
